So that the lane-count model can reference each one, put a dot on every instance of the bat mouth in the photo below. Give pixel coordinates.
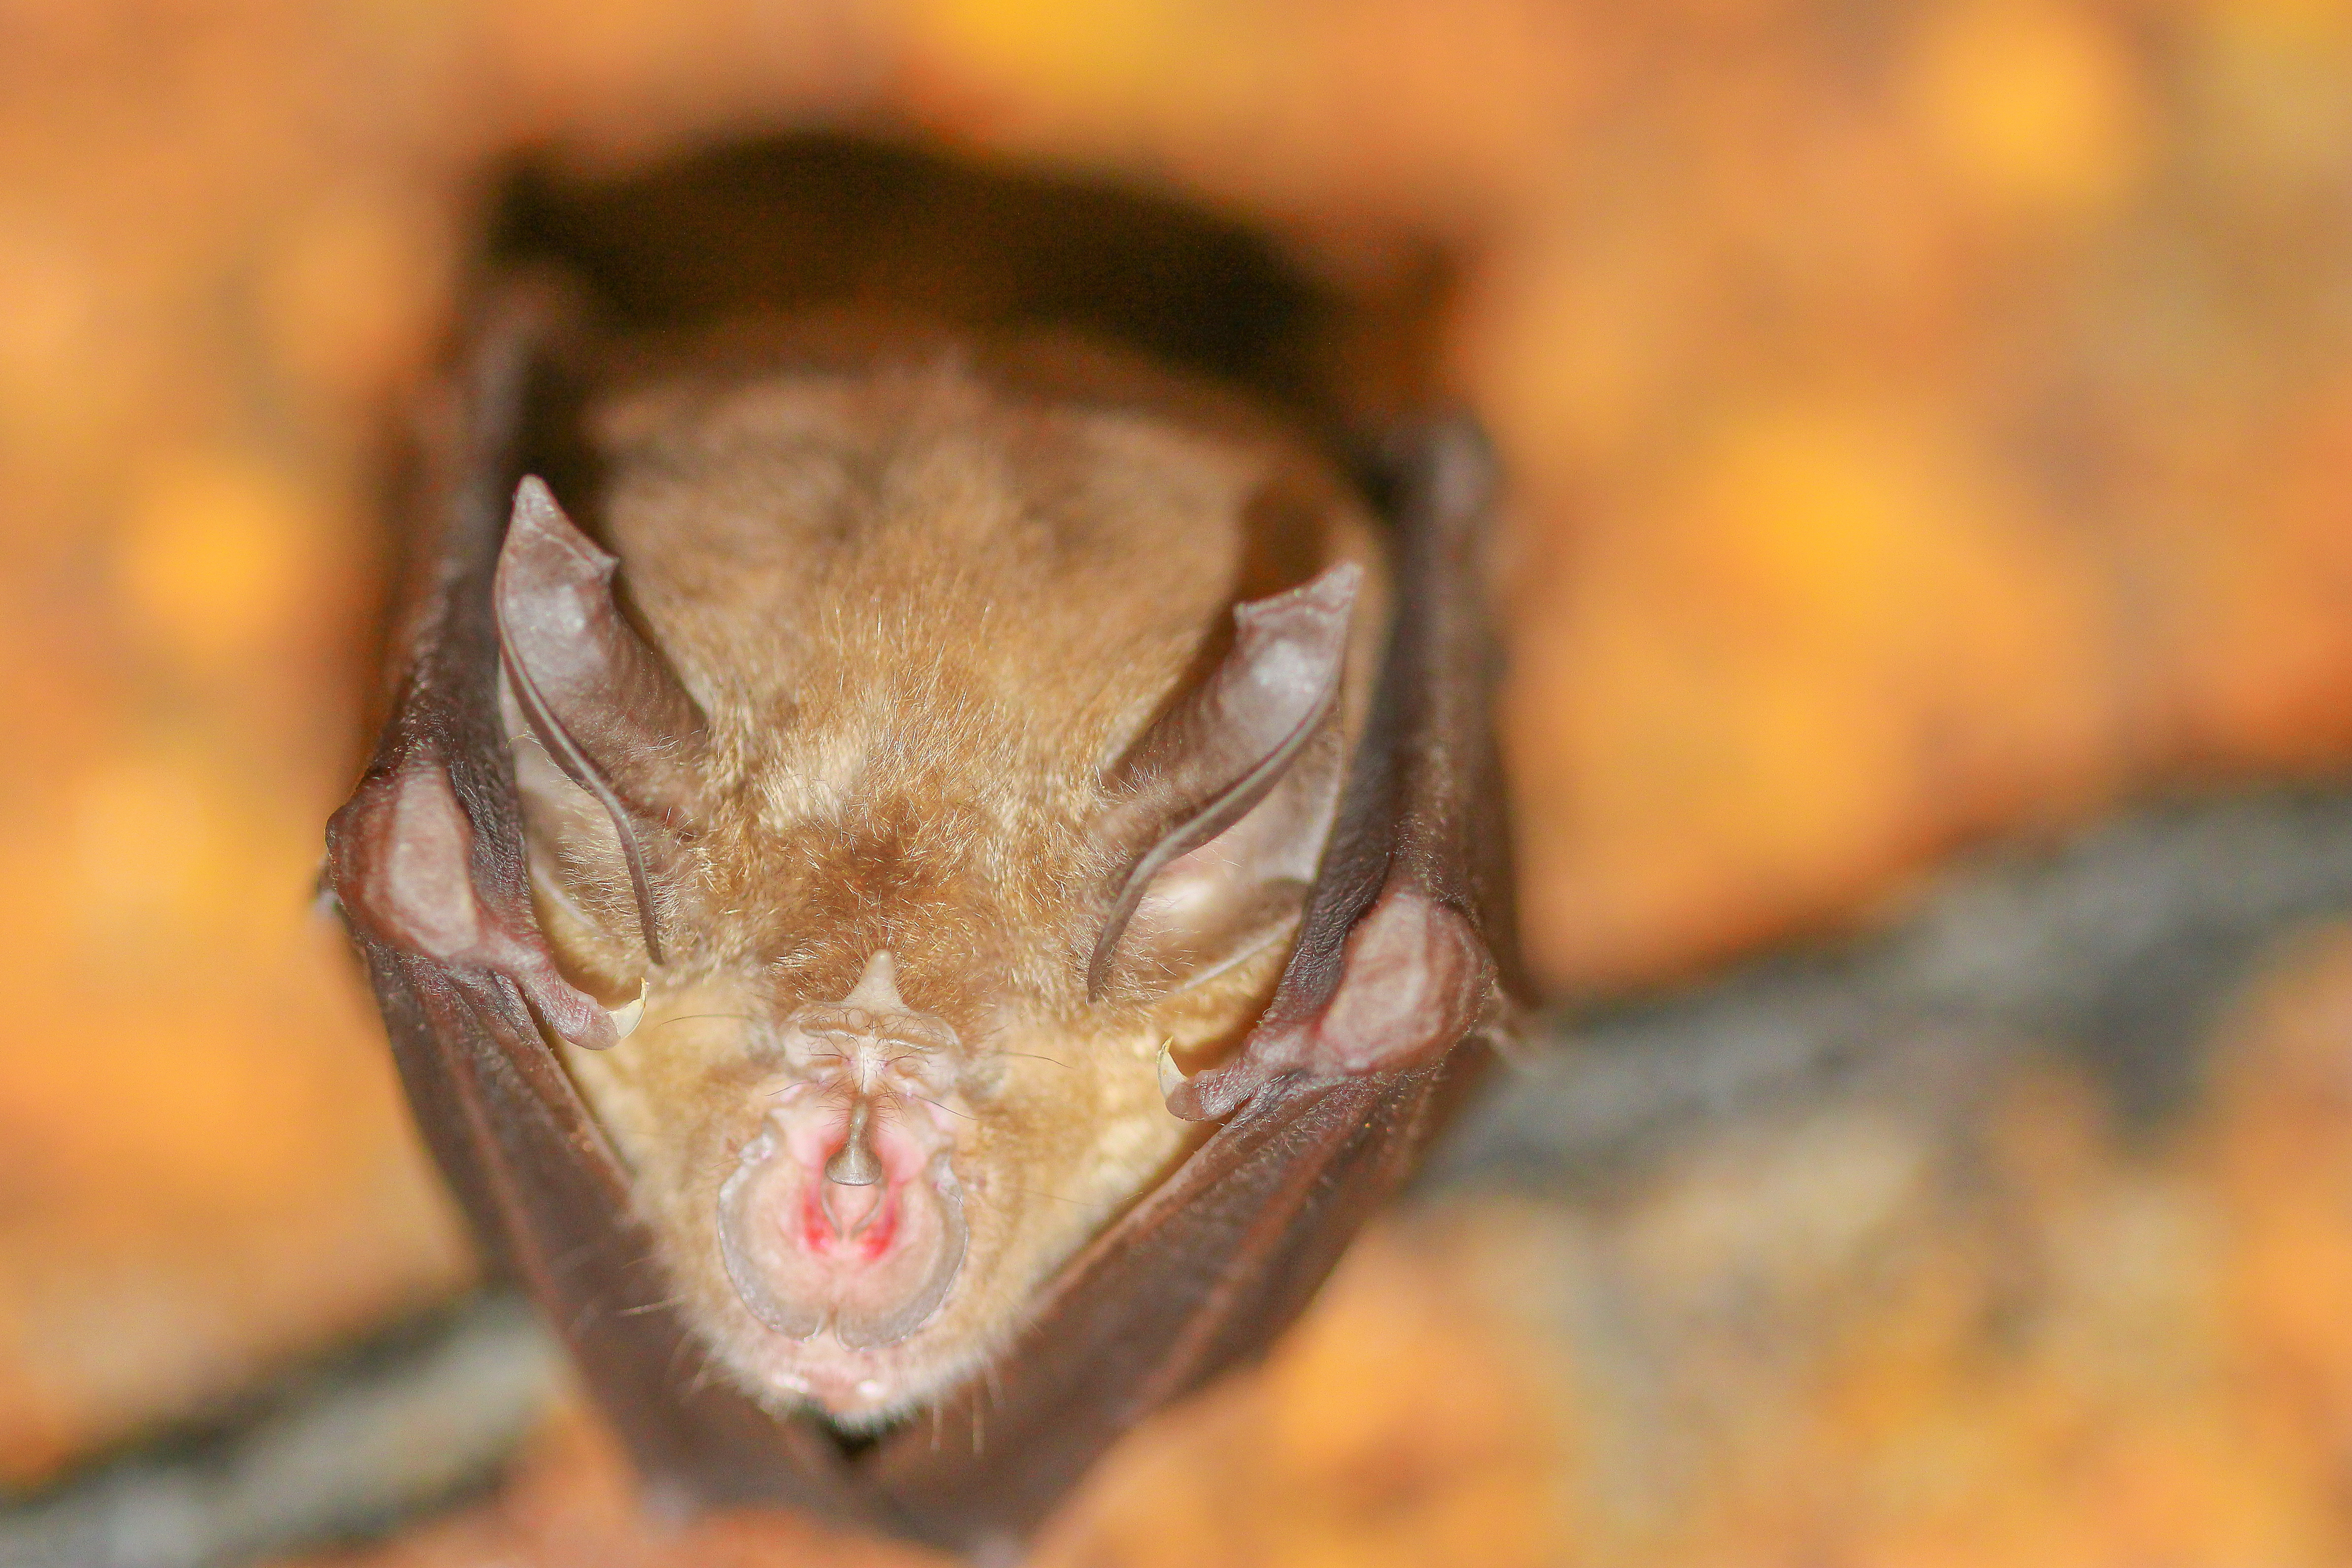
(842, 1223)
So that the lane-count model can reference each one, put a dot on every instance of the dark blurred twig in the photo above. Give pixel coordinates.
(344, 1451)
(2119, 944)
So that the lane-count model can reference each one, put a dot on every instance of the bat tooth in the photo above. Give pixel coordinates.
(629, 1015)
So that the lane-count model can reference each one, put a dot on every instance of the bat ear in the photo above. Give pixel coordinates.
(602, 701)
(1228, 797)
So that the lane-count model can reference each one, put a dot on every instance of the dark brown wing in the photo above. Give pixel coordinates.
(1378, 1019)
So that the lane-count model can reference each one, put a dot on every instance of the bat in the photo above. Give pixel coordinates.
(921, 882)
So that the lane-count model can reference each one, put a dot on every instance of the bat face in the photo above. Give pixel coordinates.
(928, 772)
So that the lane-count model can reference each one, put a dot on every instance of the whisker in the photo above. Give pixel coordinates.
(1050, 1197)
(692, 1017)
(1033, 1057)
(934, 1105)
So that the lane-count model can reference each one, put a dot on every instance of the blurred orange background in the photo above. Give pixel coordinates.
(1925, 421)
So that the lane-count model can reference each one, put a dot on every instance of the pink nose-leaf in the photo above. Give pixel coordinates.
(844, 1213)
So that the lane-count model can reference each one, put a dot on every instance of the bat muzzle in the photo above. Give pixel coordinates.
(849, 1223)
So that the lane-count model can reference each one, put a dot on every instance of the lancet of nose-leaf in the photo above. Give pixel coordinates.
(599, 697)
(1225, 745)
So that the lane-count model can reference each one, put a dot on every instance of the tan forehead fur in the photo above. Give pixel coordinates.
(922, 610)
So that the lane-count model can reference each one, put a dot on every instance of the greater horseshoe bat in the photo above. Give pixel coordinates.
(922, 879)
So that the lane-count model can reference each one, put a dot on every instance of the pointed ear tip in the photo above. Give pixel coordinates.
(539, 522)
(1333, 591)
(535, 510)
(1330, 592)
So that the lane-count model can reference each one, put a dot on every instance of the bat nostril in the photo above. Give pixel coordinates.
(855, 1163)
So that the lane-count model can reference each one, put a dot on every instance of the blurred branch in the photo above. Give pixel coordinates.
(348, 1450)
(2119, 945)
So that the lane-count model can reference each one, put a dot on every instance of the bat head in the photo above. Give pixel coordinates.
(922, 779)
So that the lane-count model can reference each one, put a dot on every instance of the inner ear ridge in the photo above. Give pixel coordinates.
(538, 521)
(581, 771)
(1281, 840)
(1324, 605)
(1189, 835)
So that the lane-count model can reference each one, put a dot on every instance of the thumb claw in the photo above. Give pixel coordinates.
(1171, 1077)
(629, 1015)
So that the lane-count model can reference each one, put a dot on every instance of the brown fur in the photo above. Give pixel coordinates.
(923, 604)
